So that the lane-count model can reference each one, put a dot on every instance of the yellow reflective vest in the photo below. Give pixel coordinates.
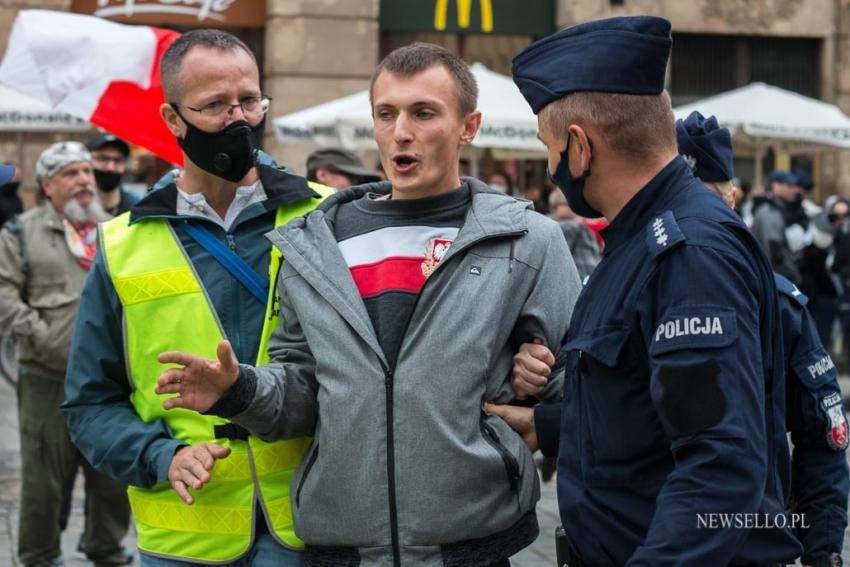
(166, 309)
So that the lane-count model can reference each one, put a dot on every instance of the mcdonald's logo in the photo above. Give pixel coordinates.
(464, 14)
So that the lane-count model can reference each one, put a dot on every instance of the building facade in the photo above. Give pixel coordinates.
(313, 51)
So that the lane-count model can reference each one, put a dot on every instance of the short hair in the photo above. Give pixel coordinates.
(172, 59)
(556, 198)
(634, 126)
(416, 57)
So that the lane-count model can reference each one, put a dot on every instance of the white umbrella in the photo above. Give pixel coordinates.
(21, 113)
(763, 111)
(507, 121)
(761, 115)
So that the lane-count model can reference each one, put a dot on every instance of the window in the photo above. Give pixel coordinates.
(703, 64)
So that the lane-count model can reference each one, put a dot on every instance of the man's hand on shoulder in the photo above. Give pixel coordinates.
(532, 366)
(200, 382)
(191, 466)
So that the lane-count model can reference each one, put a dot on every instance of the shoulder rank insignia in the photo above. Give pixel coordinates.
(786, 287)
(663, 234)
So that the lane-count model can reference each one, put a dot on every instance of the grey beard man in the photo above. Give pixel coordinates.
(91, 213)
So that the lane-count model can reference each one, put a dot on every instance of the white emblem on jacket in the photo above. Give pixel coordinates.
(687, 326)
(821, 367)
(660, 233)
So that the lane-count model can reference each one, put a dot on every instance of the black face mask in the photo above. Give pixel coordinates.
(107, 180)
(573, 187)
(10, 189)
(229, 153)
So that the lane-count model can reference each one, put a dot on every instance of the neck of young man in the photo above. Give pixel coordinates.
(218, 192)
(446, 185)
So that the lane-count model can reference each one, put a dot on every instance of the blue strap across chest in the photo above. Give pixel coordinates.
(238, 267)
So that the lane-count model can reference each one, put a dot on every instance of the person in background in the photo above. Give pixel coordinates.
(45, 255)
(580, 240)
(338, 168)
(781, 241)
(501, 182)
(839, 216)
(820, 284)
(109, 157)
(534, 194)
(814, 409)
(809, 208)
(10, 199)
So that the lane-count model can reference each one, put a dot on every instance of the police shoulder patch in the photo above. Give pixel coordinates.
(787, 288)
(694, 327)
(663, 234)
(837, 431)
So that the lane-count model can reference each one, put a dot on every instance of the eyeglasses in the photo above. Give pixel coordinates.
(252, 106)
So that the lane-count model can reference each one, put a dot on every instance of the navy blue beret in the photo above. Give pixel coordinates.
(780, 176)
(804, 180)
(706, 147)
(616, 55)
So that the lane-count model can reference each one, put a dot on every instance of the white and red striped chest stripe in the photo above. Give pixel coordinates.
(396, 258)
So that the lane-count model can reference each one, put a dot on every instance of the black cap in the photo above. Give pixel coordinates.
(340, 161)
(101, 140)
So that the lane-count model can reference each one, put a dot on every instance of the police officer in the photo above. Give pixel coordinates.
(815, 416)
(672, 443)
(815, 413)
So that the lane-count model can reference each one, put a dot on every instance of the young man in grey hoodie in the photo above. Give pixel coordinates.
(402, 305)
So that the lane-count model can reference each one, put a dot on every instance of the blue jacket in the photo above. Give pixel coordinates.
(674, 399)
(819, 478)
(815, 418)
(101, 420)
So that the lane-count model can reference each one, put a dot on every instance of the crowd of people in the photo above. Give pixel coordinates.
(354, 367)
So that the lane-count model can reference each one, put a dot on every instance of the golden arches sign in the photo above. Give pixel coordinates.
(464, 14)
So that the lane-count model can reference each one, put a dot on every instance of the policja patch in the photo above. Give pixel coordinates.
(694, 327)
(837, 434)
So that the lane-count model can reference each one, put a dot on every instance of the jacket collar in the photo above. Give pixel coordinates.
(491, 213)
(651, 199)
(280, 185)
(51, 217)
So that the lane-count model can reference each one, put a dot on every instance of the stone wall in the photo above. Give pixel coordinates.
(316, 51)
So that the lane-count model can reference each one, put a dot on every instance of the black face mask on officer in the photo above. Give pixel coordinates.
(573, 187)
(229, 153)
(107, 180)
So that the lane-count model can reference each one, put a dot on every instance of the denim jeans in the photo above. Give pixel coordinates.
(266, 552)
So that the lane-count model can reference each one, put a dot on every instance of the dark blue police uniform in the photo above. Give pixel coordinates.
(818, 429)
(672, 420)
(672, 434)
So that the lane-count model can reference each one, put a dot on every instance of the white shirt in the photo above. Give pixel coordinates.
(195, 204)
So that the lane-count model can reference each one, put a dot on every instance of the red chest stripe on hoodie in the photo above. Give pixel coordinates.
(390, 274)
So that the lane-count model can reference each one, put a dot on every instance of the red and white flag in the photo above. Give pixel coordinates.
(95, 69)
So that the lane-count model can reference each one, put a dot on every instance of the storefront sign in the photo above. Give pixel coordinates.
(218, 13)
(509, 17)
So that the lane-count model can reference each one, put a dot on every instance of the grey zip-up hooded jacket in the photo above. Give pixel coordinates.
(406, 468)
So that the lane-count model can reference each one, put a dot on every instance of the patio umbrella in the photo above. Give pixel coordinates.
(763, 116)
